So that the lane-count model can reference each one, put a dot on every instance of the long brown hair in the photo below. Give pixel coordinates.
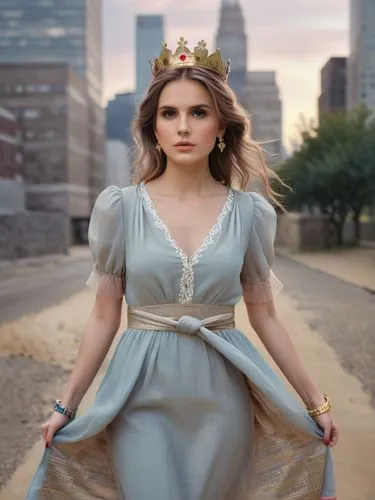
(242, 161)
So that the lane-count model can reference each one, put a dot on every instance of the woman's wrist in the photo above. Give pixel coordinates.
(72, 396)
(314, 401)
(321, 409)
(67, 411)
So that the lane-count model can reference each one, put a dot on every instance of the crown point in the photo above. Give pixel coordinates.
(183, 56)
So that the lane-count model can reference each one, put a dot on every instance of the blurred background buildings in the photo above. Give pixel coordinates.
(333, 84)
(231, 39)
(51, 80)
(149, 37)
(59, 146)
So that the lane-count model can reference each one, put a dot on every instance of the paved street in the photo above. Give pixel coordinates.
(34, 289)
(343, 314)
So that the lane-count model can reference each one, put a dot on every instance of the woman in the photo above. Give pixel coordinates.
(188, 410)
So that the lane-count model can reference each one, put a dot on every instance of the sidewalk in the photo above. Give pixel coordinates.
(28, 264)
(354, 265)
(355, 454)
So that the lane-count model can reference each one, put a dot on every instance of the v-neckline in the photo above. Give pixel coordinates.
(208, 239)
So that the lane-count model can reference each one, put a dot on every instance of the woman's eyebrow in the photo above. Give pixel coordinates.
(167, 106)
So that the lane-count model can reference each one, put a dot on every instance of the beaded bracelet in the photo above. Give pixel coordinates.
(67, 412)
(324, 408)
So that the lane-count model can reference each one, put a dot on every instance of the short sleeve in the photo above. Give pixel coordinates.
(259, 283)
(107, 244)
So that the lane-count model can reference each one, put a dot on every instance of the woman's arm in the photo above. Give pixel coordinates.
(263, 318)
(100, 331)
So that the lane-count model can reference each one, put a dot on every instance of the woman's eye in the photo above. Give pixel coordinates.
(200, 113)
(169, 113)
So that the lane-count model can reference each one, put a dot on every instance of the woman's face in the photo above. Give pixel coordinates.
(187, 124)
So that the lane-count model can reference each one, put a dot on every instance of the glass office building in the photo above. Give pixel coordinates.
(361, 63)
(231, 39)
(66, 31)
(149, 37)
(61, 31)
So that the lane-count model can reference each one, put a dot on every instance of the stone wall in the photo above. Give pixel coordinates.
(46, 200)
(30, 234)
(73, 200)
(367, 231)
(303, 232)
(12, 196)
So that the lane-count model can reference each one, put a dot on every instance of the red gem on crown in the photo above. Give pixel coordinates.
(183, 57)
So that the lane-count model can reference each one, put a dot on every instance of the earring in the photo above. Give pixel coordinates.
(221, 144)
(158, 147)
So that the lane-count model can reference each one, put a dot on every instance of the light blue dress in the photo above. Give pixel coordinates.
(186, 417)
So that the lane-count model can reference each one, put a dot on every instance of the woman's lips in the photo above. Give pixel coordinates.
(184, 147)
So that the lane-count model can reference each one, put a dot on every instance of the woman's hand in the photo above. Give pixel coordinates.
(49, 428)
(326, 422)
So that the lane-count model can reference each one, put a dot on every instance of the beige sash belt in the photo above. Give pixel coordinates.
(183, 318)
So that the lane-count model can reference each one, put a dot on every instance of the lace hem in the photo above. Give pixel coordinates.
(261, 292)
(106, 284)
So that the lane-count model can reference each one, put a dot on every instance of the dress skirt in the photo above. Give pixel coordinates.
(186, 430)
(187, 417)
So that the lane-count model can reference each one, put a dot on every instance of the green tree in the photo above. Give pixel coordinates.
(334, 169)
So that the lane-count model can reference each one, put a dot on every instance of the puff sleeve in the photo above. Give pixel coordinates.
(107, 244)
(259, 284)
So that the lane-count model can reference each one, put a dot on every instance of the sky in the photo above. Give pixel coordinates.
(293, 37)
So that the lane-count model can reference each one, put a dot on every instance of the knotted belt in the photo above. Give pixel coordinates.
(274, 407)
(183, 318)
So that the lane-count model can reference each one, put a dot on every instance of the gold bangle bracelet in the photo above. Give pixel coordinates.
(324, 408)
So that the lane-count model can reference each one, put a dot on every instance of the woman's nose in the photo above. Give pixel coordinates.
(183, 126)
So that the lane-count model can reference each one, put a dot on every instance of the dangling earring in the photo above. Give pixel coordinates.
(221, 144)
(158, 147)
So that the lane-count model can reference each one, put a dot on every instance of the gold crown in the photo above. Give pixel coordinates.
(183, 57)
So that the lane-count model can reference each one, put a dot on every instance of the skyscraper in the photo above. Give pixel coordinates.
(149, 37)
(61, 31)
(54, 31)
(361, 64)
(264, 103)
(231, 39)
(120, 113)
(333, 86)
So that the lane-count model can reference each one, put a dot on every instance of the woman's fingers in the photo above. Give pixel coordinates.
(44, 429)
(327, 433)
(334, 436)
(329, 427)
(49, 437)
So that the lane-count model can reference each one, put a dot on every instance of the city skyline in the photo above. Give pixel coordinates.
(296, 41)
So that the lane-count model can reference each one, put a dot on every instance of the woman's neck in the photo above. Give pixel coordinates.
(185, 180)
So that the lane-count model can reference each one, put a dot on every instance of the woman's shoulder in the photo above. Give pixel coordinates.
(256, 203)
(115, 197)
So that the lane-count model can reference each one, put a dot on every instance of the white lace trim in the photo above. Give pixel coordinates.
(187, 282)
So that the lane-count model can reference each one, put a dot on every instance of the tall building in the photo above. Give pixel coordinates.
(10, 144)
(231, 39)
(12, 196)
(265, 107)
(333, 86)
(361, 63)
(120, 112)
(50, 104)
(149, 37)
(61, 31)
